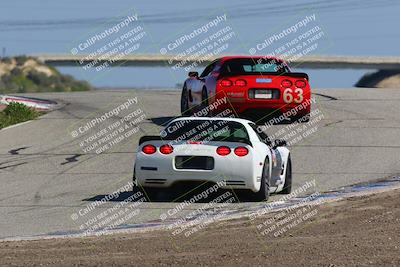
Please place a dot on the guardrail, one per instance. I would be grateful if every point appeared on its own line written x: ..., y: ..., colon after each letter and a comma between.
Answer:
x: 39, y: 104
x: 307, y: 62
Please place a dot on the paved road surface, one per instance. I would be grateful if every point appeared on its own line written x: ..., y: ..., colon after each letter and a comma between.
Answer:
x: 46, y: 177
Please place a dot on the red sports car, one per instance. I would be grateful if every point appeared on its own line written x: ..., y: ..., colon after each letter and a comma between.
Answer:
x: 253, y: 87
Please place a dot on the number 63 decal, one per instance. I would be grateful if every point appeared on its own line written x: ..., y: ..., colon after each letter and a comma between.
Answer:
x: 290, y: 95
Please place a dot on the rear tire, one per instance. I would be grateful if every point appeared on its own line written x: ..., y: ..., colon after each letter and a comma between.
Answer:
x: 287, y: 187
x: 185, y: 111
x: 263, y: 193
x: 149, y: 193
x: 134, y: 186
x: 204, y: 103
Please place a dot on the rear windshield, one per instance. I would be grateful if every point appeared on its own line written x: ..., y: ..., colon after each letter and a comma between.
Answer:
x: 206, y: 130
x: 244, y: 66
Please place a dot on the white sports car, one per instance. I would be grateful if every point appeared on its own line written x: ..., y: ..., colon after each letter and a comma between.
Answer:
x: 219, y: 150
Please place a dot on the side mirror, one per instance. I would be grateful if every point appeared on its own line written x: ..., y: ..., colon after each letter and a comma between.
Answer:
x: 193, y: 74
x: 279, y: 142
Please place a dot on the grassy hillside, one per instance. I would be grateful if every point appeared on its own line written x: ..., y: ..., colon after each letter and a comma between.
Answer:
x: 27, y: 75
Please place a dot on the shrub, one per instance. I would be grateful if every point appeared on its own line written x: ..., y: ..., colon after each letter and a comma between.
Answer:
x: 6, y: 60
x: 23, y: 84
x: 16, y: 72
x: 16, y: 113
x: 38, y: 78
x: 21, y: 60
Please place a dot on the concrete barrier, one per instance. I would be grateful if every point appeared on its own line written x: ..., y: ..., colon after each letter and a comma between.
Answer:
x: 308, y: 62
x: 39, y: 104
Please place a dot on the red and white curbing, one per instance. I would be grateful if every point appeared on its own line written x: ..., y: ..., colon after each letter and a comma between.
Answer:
x: 38, y: 104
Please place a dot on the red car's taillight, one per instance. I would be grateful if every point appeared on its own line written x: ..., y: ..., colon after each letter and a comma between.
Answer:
x: 226, y: 83
x: 166, y: 149
x: 240, y: 82
x: 149, y: 149
x: 241, y: 151
x: 223, y: 150
x: 300, y: 84
x: 286, y: 83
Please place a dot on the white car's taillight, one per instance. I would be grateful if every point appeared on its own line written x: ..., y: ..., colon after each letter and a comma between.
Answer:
x: 223, y: 150
x: 149, y: 149
x: 241, y: 151
x: 166, y: 149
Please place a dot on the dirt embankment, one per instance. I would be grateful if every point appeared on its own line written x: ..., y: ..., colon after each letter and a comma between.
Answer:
x: 362, y: 231
x: 23, y: 74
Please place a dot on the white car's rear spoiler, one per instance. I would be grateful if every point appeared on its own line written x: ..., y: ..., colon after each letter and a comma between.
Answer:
x: 148, y: 138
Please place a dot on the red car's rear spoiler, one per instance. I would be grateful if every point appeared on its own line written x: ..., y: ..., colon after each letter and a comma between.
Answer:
x: 296, y: 75
x: 286, y: 74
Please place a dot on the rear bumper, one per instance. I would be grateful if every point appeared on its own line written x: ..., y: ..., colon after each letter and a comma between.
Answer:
x: 282, y: 107
x: 243, y: 105
x: 267, y: 109
x: 163, y: 174
x: 164, y: 180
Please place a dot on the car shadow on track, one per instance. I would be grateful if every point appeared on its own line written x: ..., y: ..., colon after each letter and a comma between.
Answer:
x: 162, y: 121
x: 199, y: 194
x: 259, y: 120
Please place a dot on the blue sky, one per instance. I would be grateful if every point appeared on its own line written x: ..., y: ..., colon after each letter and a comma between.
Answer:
x: 351, y: 27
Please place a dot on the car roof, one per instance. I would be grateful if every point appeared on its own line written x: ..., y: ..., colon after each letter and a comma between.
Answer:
x: 251, y: 57
x: 242, y: 121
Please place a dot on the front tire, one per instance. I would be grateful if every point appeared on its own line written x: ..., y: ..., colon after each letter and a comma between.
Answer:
x: 263, y: 193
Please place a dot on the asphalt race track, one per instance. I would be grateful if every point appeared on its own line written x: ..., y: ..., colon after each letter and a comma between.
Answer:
x: 46, y: 177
